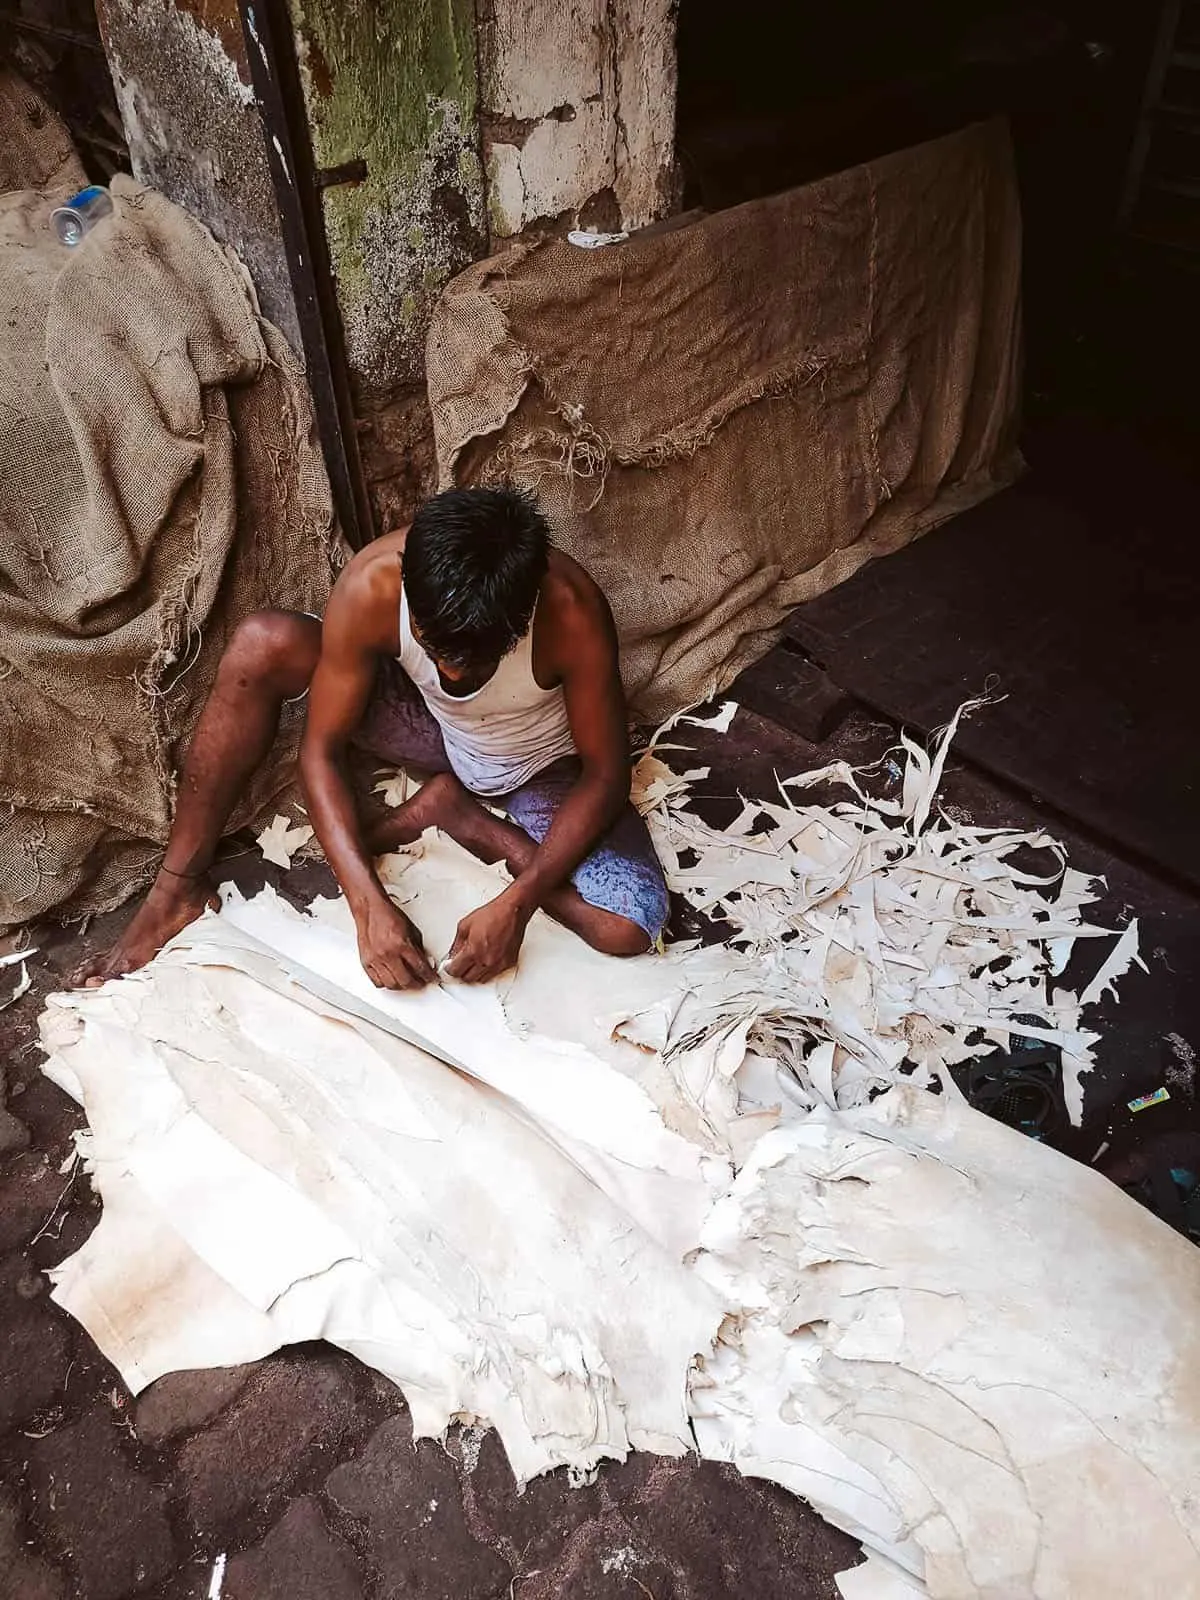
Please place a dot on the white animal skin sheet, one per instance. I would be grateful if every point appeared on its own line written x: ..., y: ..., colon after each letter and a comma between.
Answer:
x: 654, y: 1196
x: 340, y: 1183
x: 978, y: 1356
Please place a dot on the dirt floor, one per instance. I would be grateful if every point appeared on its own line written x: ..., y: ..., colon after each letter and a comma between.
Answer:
x: 301, y: 1469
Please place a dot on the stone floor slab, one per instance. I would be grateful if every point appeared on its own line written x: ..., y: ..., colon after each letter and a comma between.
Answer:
x: 24, y: 1575
x: 298, y: 1560
x: 417, y: 1534
x: 34, y: 1356
x: 108, y: 1520
x: 182, y: 1402
x: 293, y: 1409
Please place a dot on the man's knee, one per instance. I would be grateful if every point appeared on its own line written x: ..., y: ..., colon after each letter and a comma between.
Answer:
x: 613, y: 935
x: 440, y: 800
x: 275, y: 649
x: 443, y: 788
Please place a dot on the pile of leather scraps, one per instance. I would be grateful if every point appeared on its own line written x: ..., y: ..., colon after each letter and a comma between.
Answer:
x: 653, y: 1204
x: 882, y: 938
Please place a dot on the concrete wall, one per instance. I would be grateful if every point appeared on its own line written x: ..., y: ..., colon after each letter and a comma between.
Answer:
x: 576, y: 121
x: 392, y: 84
x: 194, y: 131
x: 577, y: 110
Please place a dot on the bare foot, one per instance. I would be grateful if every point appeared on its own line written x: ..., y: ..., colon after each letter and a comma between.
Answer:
x: 171, y: 904
x: 433, y: 806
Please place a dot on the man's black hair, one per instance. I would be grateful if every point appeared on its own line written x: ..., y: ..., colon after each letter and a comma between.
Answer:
x: 474, y: 561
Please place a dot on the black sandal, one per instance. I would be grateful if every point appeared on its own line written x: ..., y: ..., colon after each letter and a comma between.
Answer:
x: 1020, y: 1086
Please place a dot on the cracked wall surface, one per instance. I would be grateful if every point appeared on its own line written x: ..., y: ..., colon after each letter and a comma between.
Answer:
x: 577, y: 112
x: 571, y: 108
x: 194, y: 130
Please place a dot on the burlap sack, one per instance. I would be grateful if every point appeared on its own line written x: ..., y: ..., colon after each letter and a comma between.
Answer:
x: 727, y: 418
x: 159, y: 478
x: 36, y: 150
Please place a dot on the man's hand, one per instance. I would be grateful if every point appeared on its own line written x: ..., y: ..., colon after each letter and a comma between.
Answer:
x: 390, y: 949
x: 488, y: 941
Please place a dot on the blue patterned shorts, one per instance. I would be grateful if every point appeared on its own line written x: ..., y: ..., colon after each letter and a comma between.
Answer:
x: 622, y: 874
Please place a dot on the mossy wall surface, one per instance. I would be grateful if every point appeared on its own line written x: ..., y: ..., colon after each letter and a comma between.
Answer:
x: 394, y: 85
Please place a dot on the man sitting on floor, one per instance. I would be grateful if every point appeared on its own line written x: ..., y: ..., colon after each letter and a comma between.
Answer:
x: 466, y: 645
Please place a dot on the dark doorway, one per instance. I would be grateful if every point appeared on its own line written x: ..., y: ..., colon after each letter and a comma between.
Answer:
x: 1086, y: 627
x: 55, y: 46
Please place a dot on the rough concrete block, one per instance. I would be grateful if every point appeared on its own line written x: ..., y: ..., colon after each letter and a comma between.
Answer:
x: 417, y: 1534
x: 533, y: 1526
x: 729, y: 1539
x: 29, y: 1190
x: 34, y: 1354
x: 14, y: 1135
x: 24, y: 1575
x: 291, y: 1410
x: 108, y: 1519
x: 604, y: 1561
x: 298, y: 1560
x: 182, y: 1402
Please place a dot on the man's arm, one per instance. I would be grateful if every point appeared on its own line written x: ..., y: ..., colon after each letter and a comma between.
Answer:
x: 354, y: 634
x: 586, y: 647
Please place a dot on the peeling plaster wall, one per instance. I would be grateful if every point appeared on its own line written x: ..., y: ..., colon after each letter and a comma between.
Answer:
x: 194, y: 131
x: 577, y: 111
x: 577, y: 119
x: 393, y: 84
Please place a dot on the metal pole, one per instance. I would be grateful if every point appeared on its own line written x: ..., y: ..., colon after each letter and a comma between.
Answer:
x: 275, y: 75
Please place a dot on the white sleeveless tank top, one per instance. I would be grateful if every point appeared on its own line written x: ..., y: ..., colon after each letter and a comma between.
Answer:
x: 506, y: 732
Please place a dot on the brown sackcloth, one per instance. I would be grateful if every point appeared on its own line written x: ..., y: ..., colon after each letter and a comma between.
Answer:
x: 36, y: 151
x: 159, y: 478
x: 726, y: 419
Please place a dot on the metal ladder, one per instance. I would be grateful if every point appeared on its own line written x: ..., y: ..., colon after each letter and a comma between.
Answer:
x: 1160, y: 198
